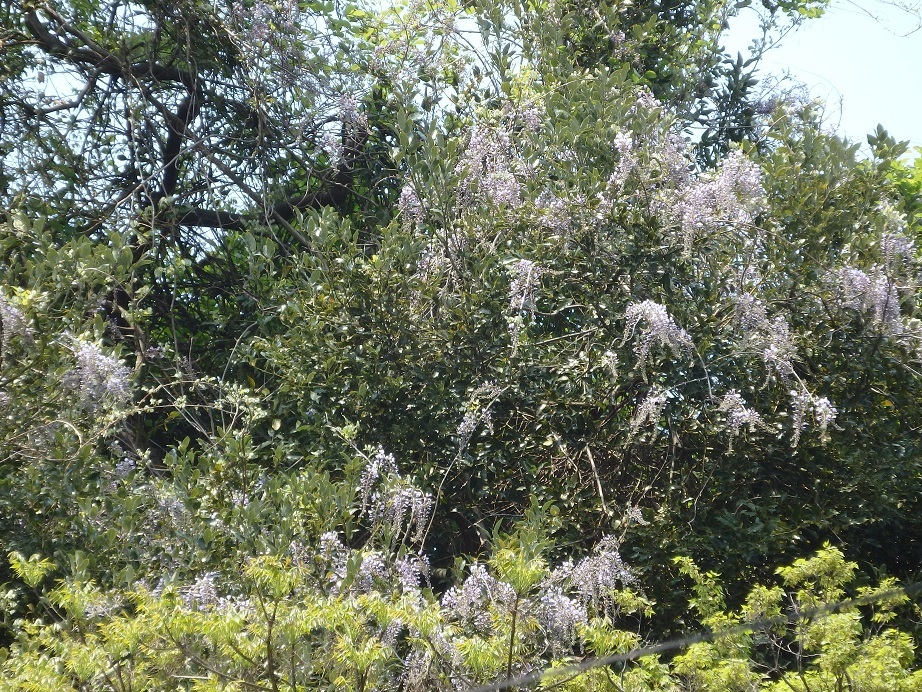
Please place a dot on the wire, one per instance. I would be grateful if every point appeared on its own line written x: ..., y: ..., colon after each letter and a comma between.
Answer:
x: 680, y: 643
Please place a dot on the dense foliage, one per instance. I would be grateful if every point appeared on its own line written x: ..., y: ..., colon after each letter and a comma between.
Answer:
x: 625, y: 322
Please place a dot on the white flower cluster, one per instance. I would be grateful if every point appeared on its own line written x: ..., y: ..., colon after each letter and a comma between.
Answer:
x: 100, y: 381
x: 14, y: 324
x: 872, y: 294
x: 807, y: 407
x: 486, y: 167
x: 732, y: 196
x: 738, y: 414
x: 470, y: 602
x: 771, y: 338
x: 658, y: 327
x: 649, y: 410
x: 391, y: 502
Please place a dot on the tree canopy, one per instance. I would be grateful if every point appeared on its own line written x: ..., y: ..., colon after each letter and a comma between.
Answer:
x: 419, y: 346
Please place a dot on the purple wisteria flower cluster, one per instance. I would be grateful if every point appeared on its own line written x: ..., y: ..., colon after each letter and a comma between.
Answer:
x: 486, y: 168
x: 770, y: 338
x: 391, y: 502
x: 873, y: 294
x: 14, y: 324
x: 560, y: 618
x: 202, y: 593
x: 101, y: 382
x: 807, y: 408
x: 657, y: 327
x: 738, y: 415
x: 596, y: 578
x: 524, y: 286
x: 410, y: 206
x: 522, y: 293
x: 732, y: 196
x: 477, y: 413
x: 554, y: 213
x: 471, y: 602
x: 649, y: 410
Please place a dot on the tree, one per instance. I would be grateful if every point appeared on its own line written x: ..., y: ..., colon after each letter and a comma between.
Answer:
x: 492, y: 257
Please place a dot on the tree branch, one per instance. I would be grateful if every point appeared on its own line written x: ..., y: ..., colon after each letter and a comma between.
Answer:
x: 95, y: 55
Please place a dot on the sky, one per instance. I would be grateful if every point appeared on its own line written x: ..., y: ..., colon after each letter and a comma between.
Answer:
x: 863, y: 60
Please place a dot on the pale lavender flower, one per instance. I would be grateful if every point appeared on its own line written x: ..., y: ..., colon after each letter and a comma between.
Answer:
x: 373, y: 569
x: 391, y: 502
x: 855, y: 285
x: 554, y: 213
x: 411, y: 570
x: 468, y: 426
x: 627, y: 160
x: 560, y: 618
x: 14, y: 324
x: 486, y: 166
x: 751, y: 314
x: 171, y: 509
x: 470, y: 603
x: 649, y: 410
x: 741, y: 191
x: 125, y: 467
x: 202, y: 593
x: 733, y: 195
x: 332, y: 553
x: 874, y: 295
x: 896, y: 249
x: 402, y: 508
x: 410, y: 206
x: 349, y: 111
x: 522, y: 293
x: 502, y: 188
x: 658, y: 327
x: 695, y: 212
x: 635, y: 516
x: 819, y: 409
x: 779, y: 351
x: 391, y: 633
x: 416, y: 667
x: 100, y: 381
x: 524, y: 285
x: 332, y: 146
x: 477, y: 412
x: 516, y: 327
x: 674, y: 158
x: 379, y: 466
x: 738, y: 414
x: 531, y: 118
x: 597, y: 577
x: 645, y: 103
